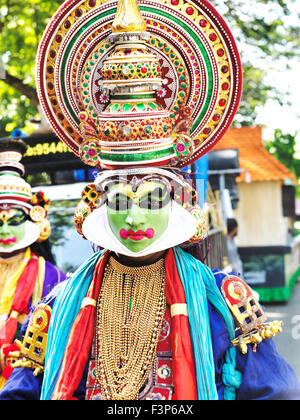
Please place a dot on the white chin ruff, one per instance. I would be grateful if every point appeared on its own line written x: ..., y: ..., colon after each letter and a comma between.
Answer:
x: 182, y: 226
x: 32, y: 233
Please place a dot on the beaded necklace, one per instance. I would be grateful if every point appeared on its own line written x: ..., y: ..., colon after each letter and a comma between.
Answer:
x: 130, y: 310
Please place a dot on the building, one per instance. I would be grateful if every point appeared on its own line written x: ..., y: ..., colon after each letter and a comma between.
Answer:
x: 266, y: 215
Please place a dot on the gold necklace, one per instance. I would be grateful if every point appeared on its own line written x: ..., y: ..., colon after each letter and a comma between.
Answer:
x: 130, y: 310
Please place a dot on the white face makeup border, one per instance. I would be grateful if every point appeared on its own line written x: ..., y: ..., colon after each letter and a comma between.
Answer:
x: 182, y: 225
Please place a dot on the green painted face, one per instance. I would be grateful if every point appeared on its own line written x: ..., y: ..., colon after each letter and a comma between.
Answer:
x: 12, y: 227
x: 138, y: 218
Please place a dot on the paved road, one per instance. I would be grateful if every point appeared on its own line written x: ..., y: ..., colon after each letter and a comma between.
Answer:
x: 288, y: 342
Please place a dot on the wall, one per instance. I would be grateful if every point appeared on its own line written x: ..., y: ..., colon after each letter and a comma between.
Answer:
x: 259, y: 215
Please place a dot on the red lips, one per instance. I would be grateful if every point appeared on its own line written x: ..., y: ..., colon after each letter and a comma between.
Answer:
x: 8, y: 241
x: 136, y: 236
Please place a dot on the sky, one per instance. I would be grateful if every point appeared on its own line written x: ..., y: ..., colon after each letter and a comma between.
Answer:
x: 273, y: 115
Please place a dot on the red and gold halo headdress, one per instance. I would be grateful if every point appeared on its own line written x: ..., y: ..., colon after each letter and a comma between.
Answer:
x: 147, y: 84
x: 119, y: 100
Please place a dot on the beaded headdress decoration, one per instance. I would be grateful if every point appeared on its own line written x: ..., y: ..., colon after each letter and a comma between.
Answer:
x: 16, y: 192
x: 153, y: 83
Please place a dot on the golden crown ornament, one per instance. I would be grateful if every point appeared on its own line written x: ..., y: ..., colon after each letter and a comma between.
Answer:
x: 113, y: 78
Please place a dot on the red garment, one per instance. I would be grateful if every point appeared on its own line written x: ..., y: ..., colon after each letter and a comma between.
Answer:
x: 184, y: 374
x: 23, y: 293
x: 81, y: 336
x: 6, y: 350
x: 79, y: 341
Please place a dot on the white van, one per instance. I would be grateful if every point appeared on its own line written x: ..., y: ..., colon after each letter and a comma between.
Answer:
x: 69, y: 249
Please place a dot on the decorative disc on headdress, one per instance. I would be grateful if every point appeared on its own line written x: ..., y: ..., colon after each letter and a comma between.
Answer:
x: 37, y: 214
x: 190, y: 62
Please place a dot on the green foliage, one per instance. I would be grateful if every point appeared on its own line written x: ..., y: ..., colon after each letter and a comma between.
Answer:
x: 23, y: 24
x: 40, y: 178
x: 255, y: 93
x: 15, y: 109
x: 283, y: 148
x: 271, y: 27
x: 21, y: 27
x: 268, y: 37
x: 267, y: 32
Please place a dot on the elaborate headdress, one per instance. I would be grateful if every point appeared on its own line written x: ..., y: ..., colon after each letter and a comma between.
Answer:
x: 148, y: 85
x: 13, y: 188
x: 15, y: 192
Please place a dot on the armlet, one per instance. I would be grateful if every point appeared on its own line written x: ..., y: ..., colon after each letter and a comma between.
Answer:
x: 248, y: 314
x: 33, y: 348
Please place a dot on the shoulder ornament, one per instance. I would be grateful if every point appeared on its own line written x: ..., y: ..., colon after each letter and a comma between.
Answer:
x: 32, y: 350
x: 248, y: 314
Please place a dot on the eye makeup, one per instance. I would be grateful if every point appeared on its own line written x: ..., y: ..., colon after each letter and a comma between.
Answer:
x: 155, y: 197
x: 12, y: 217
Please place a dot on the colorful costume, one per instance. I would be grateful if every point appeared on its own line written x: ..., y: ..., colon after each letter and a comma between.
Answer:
x: 25, y: 277
x: 143, y: 319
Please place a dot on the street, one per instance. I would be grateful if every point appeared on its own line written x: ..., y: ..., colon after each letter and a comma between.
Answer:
x: 288, y: 342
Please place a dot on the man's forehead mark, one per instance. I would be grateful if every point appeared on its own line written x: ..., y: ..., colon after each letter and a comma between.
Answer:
x: 9, y: 213
x: 144, y: 188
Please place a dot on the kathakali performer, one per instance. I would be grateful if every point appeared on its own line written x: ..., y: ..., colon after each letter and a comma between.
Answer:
x: 25, y: 276
x: 139, y: 91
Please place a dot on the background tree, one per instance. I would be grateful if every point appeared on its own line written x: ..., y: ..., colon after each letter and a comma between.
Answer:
x: 21, y: 28
x: 267, y: 32
x: 283, y: 148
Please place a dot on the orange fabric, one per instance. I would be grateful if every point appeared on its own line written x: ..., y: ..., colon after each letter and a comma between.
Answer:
x: 79, y: 341
x: 261, y: 165
x: 21, y: 300
x: 184, y: 374
x: 8, y: 331
x: 26, y: 285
